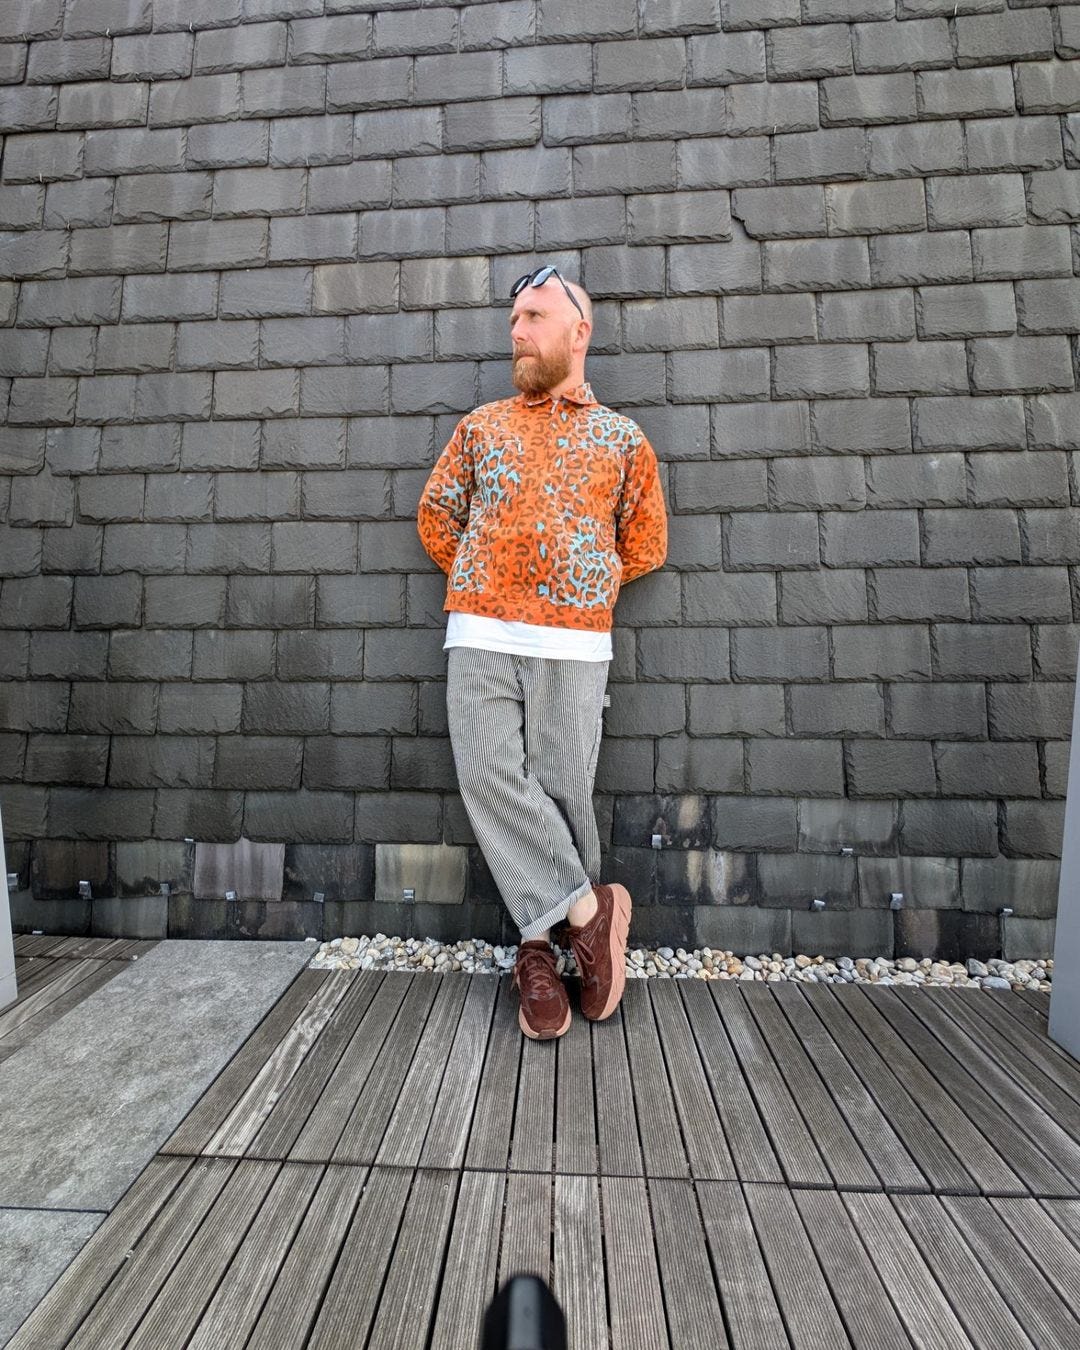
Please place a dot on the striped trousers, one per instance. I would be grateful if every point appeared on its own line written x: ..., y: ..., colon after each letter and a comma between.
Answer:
x: 525, y: 731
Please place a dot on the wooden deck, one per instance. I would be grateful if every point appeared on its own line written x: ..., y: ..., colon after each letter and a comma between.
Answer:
x: 719, y: 1164
x: 56, y: 973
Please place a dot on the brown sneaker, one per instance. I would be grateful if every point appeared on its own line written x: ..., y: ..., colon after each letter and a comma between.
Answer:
x: 545, y: 1009
x: 600, y: 951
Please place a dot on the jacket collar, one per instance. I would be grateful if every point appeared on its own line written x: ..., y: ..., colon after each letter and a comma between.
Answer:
x: 581, y: 394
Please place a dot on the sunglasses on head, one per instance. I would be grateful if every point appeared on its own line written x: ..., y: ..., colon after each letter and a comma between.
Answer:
x: 538, y: 278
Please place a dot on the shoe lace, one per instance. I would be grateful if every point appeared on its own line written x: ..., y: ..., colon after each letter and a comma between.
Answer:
x: 583, y: 953
x: 536, y: 967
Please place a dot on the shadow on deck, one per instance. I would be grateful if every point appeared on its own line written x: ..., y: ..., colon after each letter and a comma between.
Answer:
x: 720, y: 1163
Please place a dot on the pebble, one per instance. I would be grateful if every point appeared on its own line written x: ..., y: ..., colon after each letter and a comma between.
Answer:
x: 474, y: 957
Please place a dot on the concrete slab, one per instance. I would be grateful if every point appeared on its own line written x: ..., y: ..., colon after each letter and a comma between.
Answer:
x: 36, y: 1247
x: 84, y: 1106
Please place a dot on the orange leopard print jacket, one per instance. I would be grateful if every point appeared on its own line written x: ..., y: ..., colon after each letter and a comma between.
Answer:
x: 539, y: 511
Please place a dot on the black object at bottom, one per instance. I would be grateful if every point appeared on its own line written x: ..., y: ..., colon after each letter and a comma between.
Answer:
x: 524, y: 1316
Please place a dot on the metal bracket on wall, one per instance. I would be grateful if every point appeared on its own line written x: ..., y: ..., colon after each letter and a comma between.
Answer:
x: 1004, y: 915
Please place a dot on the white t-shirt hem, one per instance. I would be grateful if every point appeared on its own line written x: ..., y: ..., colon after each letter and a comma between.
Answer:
x: 525, y: 639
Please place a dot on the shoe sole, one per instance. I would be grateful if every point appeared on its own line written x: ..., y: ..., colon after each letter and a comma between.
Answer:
x: 543, y: 1036
x: 620, y: 928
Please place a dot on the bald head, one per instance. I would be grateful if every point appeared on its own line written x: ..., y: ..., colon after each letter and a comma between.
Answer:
x: 549, y: 335
x: 581, y: 295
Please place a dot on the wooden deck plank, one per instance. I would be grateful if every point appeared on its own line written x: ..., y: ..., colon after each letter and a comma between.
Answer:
x: 991, y: 1173
x: 1028, y: 1047
x: 352, y: 1297
x: 526, y: 1237
x: 105, y: 948
x: 1023, y: 1074
x: 1025, y: 1289
x: 943, y: 1168
x: 533, y: 1144
x: 290, y: 1113
x: 922, y: 1305
x: 864, y: 1304
x: 746, y: 1293
x: 468, y: 1283
x: 197, y: 1127
x: 65, y: 977
x: 53, y: 1011
x: 117, y: 1313
x: 890, y: 1158
x: 1035, y: 999
x: 618, y: 1142
x: 37, y: 944
x: 635, y: 1296
x: 795, y: 1149
x: 949, y: 1056
x: 578, y: 1263
x: 169, y: 1321
x: 451, y: 1119
x: 752, y: 1153
x: 982, y: 1311
x: 69, y: 1301
x: 365, y: 1127
x: 132, y: 948
x: 298, y: 1292
x: 1009, y: 1001
x: 1067, y: 1214
x: 1047, y: 1244
x: 493, y: 1116
x: 407, y: 1303
x: 268, y: 1255
x: 323, y: 1128
x: 575, y: 1104
x: 403, y: 1141
x: 99, y: 948
x: 82, y: 945
x: 232, y: 1312
x: 693, y: 1309
x: 35, y: 975
x: 808, y: 1310
x: 243, y: 1122
x: 30, y: 970
x: 703, y: 1132
x: 658, y: 1125
x: 845, y: 1159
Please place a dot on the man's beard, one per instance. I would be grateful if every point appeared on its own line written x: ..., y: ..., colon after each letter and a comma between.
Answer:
x: 538, y: 374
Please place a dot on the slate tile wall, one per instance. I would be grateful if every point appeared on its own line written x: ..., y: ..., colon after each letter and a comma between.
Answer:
x: 253, y: 258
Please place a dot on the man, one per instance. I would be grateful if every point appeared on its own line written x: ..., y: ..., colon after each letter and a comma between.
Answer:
x: 538, y: 509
